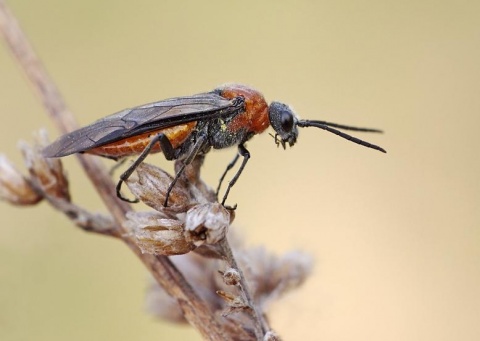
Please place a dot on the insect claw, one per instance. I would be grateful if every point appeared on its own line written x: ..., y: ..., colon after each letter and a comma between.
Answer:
x: 120, y: 195
x: 132, y: 201
x: 230, y: 208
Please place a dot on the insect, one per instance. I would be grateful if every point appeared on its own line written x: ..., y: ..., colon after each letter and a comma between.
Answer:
x: 185, y: 127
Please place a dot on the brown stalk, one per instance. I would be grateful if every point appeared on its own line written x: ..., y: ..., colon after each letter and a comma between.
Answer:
x: 261, y: 326
x: 166, y: 274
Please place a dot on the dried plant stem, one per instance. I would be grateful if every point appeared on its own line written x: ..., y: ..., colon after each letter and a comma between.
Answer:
x: 167, y: 275
x: 260, y: 325
x: 85, y: 220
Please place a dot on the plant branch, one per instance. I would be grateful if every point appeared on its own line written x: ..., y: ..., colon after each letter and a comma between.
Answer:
x: 87, y: 221
x: 261, y: 326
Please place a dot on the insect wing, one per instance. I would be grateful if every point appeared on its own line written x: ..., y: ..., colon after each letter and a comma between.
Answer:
x: 148, y: 117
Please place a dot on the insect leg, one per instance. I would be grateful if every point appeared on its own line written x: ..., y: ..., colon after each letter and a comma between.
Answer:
x: 229, y: 166
x: 199, y: 144
x: 167, y: 150
x: 246, y: 156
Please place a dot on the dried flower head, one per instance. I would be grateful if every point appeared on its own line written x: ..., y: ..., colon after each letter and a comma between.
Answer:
x: 14, y: 187
x: 273, y: 276
x: 207, y: 223
x: 46, y: 173
x: 235, y: 303
x: 231, y: 276
x: 184, y: 224
x: 149, y: 184
x: 158, y: 235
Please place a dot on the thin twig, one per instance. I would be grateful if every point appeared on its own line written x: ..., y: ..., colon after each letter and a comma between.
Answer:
x: 166, y: 274
x: 260, y: 325
x: 87, y: 221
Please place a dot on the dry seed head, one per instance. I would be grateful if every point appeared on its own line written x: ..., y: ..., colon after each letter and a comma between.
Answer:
x: 233, y: 301
x: 207, y: 223
x: 14, y: 187
x: 158, y: 235
x: 231, y: 276
x: 46, y: 173
x: 271, y: 276
x: 150, y: 184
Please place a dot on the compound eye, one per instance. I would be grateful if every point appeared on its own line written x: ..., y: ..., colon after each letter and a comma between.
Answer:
x: 286, y: 121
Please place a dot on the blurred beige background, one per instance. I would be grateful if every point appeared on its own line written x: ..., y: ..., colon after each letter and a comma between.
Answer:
x: 395, y: 237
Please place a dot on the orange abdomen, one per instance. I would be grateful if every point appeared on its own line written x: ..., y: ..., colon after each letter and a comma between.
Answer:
x: 134, y: 145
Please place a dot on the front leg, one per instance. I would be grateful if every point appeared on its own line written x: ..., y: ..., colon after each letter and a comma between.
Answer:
x: 229, y: 166
x: 246, y: 156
